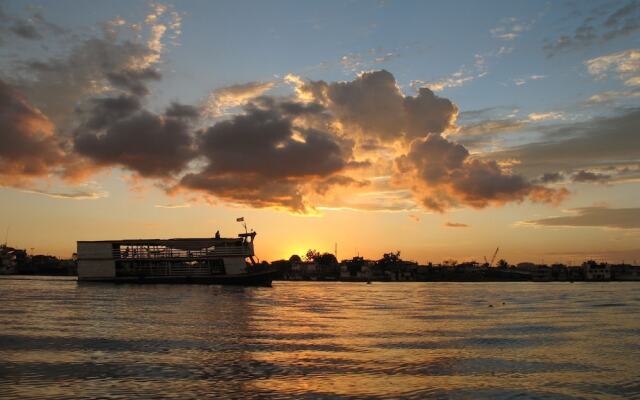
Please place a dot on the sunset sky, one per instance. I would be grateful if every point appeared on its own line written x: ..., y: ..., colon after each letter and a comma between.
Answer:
x: 440, y: 129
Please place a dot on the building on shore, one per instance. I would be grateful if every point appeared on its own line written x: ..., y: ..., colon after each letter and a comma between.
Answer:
x: 596, y: 272
x: 542, y: 273
x: 8, y: 260
x: 356, y: 269
x: 625, y: 272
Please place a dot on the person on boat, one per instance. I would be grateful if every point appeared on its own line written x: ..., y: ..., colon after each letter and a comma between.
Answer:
x: 217, y: 234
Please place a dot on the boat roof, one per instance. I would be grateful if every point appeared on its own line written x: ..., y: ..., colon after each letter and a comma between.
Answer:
x: 184, y: 243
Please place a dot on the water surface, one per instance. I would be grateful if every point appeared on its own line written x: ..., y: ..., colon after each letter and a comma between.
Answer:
x: 59, y: 339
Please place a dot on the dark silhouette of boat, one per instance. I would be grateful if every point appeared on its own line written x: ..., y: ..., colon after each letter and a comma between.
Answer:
x: 225, y: 261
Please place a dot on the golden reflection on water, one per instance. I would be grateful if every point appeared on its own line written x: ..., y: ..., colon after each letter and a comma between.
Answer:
x: 59, y: 339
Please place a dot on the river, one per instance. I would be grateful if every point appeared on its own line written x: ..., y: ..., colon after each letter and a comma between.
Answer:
x: 60, y: 339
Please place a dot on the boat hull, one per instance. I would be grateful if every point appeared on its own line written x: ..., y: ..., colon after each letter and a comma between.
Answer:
x: 259, y: 278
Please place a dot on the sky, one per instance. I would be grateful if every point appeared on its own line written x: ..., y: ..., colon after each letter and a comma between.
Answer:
x: 442, y: 130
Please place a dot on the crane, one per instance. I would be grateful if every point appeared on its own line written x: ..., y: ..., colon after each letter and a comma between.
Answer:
x: 495, y: 253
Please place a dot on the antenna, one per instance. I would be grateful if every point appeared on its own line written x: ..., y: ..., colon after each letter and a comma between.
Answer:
x: 495, y: 253
x: 336, y: 250
x: 6, y: 236
x: 244, y: 224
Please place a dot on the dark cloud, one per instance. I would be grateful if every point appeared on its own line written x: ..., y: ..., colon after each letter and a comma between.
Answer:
x: 491, y: 127
x: 455, y: 225
x: 550, y: 177
x: 56, y: 85
x: 622, y: 218
x: 102, y: 112
x: 583, y: 176
x: 485, y: 132
x: 372, y: 102
x: 312, y: 113
x: 25, y: 30
x: 132, y: 80
x: 371, y: 145
x: 32, y: 27
x: 263, y: 159
x: 28, y: 148
x: 88, y: 101
x: 324, y: 185
x: 263, y: 141
x: 443, y: 175
x: 428, y: 113
x: 482, y: 113
x: 177, y: 110
x: 374, y: 105
x: 600, y: 141
x: 600, y: 26
x: 248, y: 189
x: 118, y: 132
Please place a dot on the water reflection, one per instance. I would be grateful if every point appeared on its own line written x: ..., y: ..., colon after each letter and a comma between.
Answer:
x: 338, y: 340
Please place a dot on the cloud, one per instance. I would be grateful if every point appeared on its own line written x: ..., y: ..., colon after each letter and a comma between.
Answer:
x: 162, y: 19
x: 28, y: 147
x: 173, y: 206
x: 524, y: 80
x: 132, y: 80
x: 443, y: 175
x: 455, y: 225
x: 601, y: 25
x: 551, y: 177
x: 30, y: 28
x: 323, y: 186
x: 373, y: 105
x: 25, y: 29
x: 484, y: 132
x: 222, y: 99
x: 286, y: 154
x: 280, y: 152
x: 56, y: 85
x: 579, y: 145
x: 462, y: 76
x: 89, y: 105
x: 77, y: 194
x: 361, y: 61
x: 510, y: 28
x: 94, y: 66
x: 620, y: 218
x: 488, y: 113
x: 118, y: 132
x: 491, y: 127
x: 610, y: 96
x: 456, y: 79
x: 583, y: 176
x: 378, y: 194
x: 625, y: 65
x: 265, y: 158
x: 545, y: 116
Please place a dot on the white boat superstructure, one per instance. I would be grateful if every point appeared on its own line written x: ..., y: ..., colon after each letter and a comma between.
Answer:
x: 206, y: 260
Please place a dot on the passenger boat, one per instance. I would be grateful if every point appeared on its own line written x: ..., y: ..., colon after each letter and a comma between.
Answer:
x: 227, y: 261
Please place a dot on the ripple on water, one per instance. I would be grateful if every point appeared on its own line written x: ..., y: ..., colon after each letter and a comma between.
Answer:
x: 609, y: 305
x: 319, y: 340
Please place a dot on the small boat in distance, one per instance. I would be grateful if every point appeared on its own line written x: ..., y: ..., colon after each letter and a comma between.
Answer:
x: 187, y: 260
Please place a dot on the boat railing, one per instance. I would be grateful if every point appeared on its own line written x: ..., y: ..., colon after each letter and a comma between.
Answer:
x: 144, y: 253
x: 168, y: 270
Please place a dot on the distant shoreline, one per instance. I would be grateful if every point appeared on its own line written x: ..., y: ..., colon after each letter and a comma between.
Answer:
x: 68, y: 278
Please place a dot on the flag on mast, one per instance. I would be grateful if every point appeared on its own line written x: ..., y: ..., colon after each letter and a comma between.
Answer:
x: 241, y: 219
